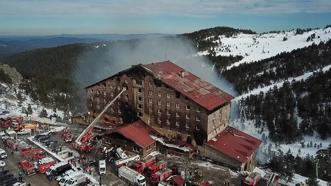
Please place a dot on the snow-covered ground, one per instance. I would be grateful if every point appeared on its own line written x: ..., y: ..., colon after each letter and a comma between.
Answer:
x: 268, y: 147
x: 9, y: 102
x: 301, y: 179
x: 161, y: 140
x: 280, y: 83
x: 254, y: 47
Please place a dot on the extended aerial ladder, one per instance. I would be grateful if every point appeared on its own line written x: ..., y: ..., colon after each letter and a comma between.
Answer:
x: 87, y: 134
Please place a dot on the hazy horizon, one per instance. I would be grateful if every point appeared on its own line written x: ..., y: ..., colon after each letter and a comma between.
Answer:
x: 58, y: 17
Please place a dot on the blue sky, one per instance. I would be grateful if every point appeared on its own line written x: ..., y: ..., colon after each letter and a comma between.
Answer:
x: 49, y: 17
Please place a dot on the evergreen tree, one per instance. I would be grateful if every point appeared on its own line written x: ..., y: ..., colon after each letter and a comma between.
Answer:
x: 29, y: 110
x: 312, y: 181
x: 43, y: 113
x: 24, y: 111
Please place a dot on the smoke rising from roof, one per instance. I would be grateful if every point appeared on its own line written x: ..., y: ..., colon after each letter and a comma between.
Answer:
x: 106, y: 60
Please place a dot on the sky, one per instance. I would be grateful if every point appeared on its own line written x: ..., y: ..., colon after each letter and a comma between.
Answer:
x: 52, y: 17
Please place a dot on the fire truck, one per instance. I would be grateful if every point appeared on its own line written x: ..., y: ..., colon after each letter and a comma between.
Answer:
x: 83, y: 141
x: 160, y: 175
x: 27, y: 167
x: 141, y: 166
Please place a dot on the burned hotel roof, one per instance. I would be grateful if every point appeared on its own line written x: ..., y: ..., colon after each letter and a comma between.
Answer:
x: 201, y: 92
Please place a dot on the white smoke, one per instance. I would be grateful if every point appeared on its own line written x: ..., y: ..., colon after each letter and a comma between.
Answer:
x: 103, y: 62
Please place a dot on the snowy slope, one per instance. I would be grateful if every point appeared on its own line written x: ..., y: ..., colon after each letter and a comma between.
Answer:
x: 280, y: 83
x: 9, y: 102
x: 254, y: 47
x: 248, y: 125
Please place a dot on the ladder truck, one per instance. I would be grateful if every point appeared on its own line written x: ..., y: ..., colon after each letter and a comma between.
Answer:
x: 83, y: 140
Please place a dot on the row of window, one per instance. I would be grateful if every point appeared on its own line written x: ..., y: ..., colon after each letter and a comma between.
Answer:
x: 177, y: 123
x: 159, y: 103
x: 197, y: 118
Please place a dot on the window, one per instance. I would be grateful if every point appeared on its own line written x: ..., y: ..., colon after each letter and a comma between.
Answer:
x: 140, y: 106
x: 198, y: 109
x: 159, y: 120
x: 187, y: 126
x: 159, y: 103
x: 159, y: 111
x: 150, y: 101
x: 168, y: 113
x: 159, y: 94
x: 105, y: 93
x: 140, y: 114
x: 168, y: 104
x: 177, y: 124
x: 188, y: 107
x: 168, y: 122
x: 177, y: 106
x: 187, y: 116
x: 150, y: 93
x: 138, y: 82
x: 98, y: 92
x: 177, y: 95
x: 111, y: 94
x: 168, y: 95
x: 197, y: 119
x: 118, y: 87
x: 140, y: 98
x: 177, y: 115
x: 140, y: 90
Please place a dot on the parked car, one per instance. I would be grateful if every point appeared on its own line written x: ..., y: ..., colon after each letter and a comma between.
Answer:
x: 3, y: 154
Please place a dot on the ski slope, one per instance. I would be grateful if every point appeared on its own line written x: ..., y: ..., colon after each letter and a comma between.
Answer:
x: 254, y: 47
x: 280, y: 83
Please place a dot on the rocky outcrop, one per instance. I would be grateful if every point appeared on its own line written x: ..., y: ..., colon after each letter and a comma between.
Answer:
x: 15, y: 76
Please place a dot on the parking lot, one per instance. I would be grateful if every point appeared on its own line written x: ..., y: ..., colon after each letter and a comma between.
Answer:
x: 12, y: 165
x: 86, y: 162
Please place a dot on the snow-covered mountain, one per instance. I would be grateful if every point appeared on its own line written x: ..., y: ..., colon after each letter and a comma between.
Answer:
x: 265, y: 68
x: 254, y: 47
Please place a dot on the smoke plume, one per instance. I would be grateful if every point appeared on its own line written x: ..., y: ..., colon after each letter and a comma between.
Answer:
x: 106, y: 60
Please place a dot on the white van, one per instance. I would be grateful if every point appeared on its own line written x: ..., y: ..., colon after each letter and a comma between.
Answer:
x: 3, y: 154
x: 71, y: 176
x: 102, y: 167
x: 66, y: 174
x: 43, y: 161
x: 74, y: 180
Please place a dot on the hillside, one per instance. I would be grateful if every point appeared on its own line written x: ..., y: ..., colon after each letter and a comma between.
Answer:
x: 254, y: 47
x: 49, y: 72
x: 251, y: 62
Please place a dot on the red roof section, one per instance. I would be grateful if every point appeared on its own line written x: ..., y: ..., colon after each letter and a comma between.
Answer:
x: 234, y: 143
x: 196, y: 89
x: 136, y: 132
